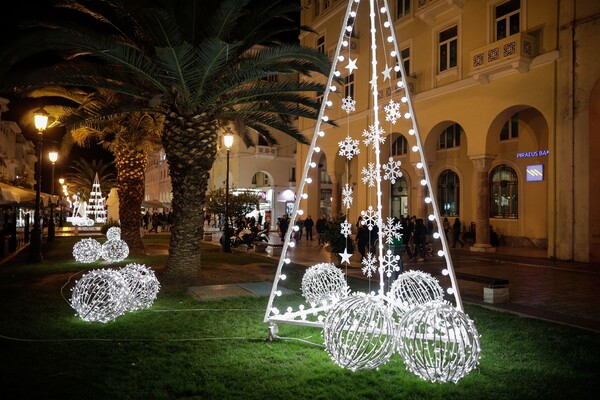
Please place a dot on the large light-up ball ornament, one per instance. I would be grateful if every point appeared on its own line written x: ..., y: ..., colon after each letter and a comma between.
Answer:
x: 438, y: 342
x: 114, y: 232
x: 100, y: 296
x: 115, y: 250
x: 143, y: 285
x: 87, y: 250
x: 412, y: 288
x: 324, y: 284
x: 359, y: 332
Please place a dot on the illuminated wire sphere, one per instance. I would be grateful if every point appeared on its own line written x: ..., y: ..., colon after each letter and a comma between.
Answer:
x: 143, y: 285
x: 324, y: 284
x: 100, y: 296
x: 115, y: 250
x: 114, y: 232
x: 359, y: 332
x: 87, y: 250
x: 412, y: 288
x: 438, y: 342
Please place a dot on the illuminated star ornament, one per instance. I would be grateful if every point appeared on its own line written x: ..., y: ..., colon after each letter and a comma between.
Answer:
x: 351, y: 65
x: 387, y: 73
x: 345, y: 257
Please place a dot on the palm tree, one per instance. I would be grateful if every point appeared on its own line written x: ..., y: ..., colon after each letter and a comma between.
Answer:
x: 202, y: 64
x: 82, y: 172
x: 130, y: 137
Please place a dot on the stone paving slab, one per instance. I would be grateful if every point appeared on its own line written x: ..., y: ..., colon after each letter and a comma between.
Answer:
x: 253, y: 289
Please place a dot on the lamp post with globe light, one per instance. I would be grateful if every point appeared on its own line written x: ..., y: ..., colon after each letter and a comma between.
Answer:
x: 35, y: 247
x: 228, y: 142
x: 52, y: 156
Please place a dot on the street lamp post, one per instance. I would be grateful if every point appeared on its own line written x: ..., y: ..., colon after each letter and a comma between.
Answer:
x: 63, y: 186
x: 228, y: 142
x: 52, y: 156
x: 35, y: 246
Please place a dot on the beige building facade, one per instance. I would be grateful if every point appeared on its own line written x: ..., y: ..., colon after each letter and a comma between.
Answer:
x: 506, y: 97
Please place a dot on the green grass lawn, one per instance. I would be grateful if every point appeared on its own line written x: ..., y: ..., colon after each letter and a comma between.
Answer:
x: 182, y: 348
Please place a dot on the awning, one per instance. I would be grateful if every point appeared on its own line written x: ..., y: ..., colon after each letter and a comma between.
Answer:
x: 8, y: 197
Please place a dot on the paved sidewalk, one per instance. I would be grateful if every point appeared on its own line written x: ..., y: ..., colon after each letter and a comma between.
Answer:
x: 559, y: 291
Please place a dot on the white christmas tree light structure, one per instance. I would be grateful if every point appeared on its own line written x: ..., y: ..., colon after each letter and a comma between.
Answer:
x: 341, y: 319
x: 96, y: 204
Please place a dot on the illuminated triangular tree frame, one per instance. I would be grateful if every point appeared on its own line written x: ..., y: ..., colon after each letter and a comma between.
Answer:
x: 313, y: 315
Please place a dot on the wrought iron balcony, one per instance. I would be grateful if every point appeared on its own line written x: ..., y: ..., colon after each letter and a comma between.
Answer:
x: 514, y: 52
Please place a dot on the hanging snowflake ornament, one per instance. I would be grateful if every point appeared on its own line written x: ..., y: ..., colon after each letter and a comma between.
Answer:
x: 369, y: 175
x: 347, y: 195
x: 349, y: 147
x: 389, y: 263
x: 370, y: 219
x: 373, y: 135
x: 392, y: 170
x: 370, y: 265
x: 348, y: 104
x: 392, y: 112
x: 346, y: 228
x: 391, y: 230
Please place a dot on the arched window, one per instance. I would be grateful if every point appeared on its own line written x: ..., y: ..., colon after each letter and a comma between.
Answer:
x: 450, y: 137
x: 449, y: 193
x: 400, y: 146
x: 504, y: 193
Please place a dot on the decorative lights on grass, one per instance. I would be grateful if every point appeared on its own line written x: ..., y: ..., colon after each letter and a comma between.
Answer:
x: 104, y: 294
x: 324, y: 284
x: 412, y: 288
x: 143, y: 285
x: 438, y: 342
x: 359, y: 332
x: 114, y: 232
x: 100, y: 296
x: 115, y: 250
x: 87, y: 250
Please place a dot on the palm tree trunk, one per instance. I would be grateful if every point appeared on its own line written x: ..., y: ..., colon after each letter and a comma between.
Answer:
x: 190, y: 148
x: 131, y: 166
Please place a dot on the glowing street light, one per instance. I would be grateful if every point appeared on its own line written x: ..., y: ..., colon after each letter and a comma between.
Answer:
x: 228, y: 142
x: 64, y: 188
x: 35, y: 247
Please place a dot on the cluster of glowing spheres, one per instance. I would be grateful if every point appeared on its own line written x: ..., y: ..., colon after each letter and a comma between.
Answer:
x: 104, y: 294
x: 115, y: 250
x: 100, y: 296
x: 359, y: 332
x: 143, y: 285
x: 114, y: 232
x: 324, y: 284
x: 87, y: 250
x: 438, y: 342
x: 412, y: 288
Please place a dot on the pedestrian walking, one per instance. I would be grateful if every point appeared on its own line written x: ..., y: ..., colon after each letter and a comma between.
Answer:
x: 308, y: 226
x: 456, y: 228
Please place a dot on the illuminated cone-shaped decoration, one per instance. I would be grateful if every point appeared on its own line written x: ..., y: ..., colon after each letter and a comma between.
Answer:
x: 359, y: 332
x: 438, y: 342
x: 324, y: 284
x: 114, y: 232
x: 412, y: 288
x: 143, y: 285
x: 87, y: 250
x: 100, y: 296
x: 115, y: 250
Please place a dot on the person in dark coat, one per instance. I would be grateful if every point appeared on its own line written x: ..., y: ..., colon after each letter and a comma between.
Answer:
x: 308, y: 225
x: 456, y: 228
x: 321, y: 228
x: 420, y: 238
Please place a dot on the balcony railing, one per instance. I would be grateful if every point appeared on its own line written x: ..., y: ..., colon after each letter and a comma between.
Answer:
x: 514, y: 52
x: 266, y: 152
